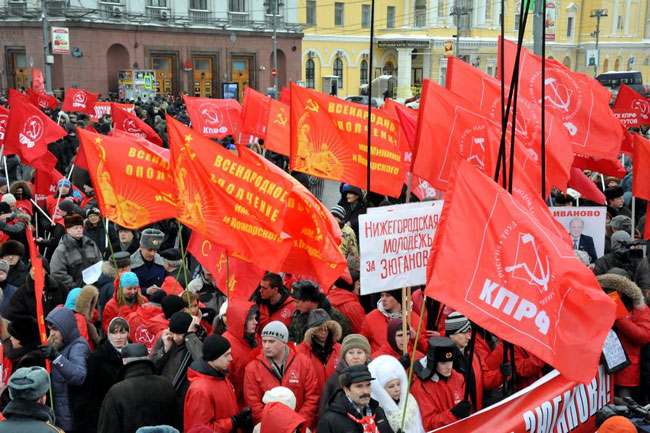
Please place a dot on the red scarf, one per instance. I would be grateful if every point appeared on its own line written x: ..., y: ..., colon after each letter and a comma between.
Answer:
x: 367, y: 422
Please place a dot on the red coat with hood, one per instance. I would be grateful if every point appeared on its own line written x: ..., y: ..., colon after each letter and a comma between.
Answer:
x: 147, y: 324
x: 210, y: 399
x: 436, y: 397
x: 322, y: 371
x: 279, y: 418
x: 113, y: 310
x: 298, y: 376
x: 241, y: 350
x: 375, y: 325
x: 283, y: 313
x: 348, y: 304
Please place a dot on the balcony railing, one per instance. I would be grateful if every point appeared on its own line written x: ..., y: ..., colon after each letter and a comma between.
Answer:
x: 238, y: 19
x: 201, y: 16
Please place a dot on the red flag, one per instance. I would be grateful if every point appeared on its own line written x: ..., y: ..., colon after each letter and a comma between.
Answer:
x: 38, y: 83
x: 102, y: 108
x: 216, y: 118
x: 329, y: 140
x: 4, y: 120
x: 79, y: 100
x: 133, y: 182
x: 42, y: 100
x: 255, y: 112
x: 39, y: 284
x: 227, y: 200
x: 581, y: 183
x: 230, y: 271
x: 579, y: 101
x: 16, y: 97
x: 609, y: 167
x: 278, y: 132
x: 641, y: 178
x: 29, y: 131
x: 484, y: 93
x: 631, y: 108
x: 129, y: 122
x: 285, y: 96
x: 520, y: 278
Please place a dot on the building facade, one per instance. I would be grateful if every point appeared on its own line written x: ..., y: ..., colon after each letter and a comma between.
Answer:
x: 194, y: 46
x: 415, y: 37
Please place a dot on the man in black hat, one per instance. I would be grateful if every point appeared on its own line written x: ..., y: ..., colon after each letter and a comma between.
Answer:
x: 13, y: 251
x: 439, y: 389
x: 615, y: 202
x: 147, y: 264
x: 307, y: 297
x: 351, y: 409
x: 139, y: 398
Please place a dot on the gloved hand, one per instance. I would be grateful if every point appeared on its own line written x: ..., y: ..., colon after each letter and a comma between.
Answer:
x: 243, y: 418
x: 506, y: 369
x: 48, y: 352
x: 405, y: 360
x: 462, y: 409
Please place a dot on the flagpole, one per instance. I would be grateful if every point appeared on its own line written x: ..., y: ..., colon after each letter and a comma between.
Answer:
x: 501, y: 158
x: 633, y: 229
x: 370, y: 68
x: 543, y: 102
x: 410, y: 376
x: 4, y: 159
x: 42, y: 211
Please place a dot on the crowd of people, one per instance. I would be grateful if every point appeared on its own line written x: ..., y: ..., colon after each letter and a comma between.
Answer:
x: 154, y: 345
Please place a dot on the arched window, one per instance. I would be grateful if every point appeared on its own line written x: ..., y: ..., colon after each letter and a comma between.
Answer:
x: 310, y: 73
x: 420, y: 16
x: 364, y: 72
x: 338, y: 71
x: 389, y: 69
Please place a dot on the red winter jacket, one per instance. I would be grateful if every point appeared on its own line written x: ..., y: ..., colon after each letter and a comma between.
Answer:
x: 348, y: 304
x: 528, y: 368
x: 283, y: 314
x: 279, y: 418
x: 322, y: 371
x: 375, y: 325
x: 490, y: 363
x: 241, y: 350
x: 634, y: 332
x: 210, y: 399
x: 298, y: 376
x: 147, y: 324
x: 112, y: 310
x: 436, y: 399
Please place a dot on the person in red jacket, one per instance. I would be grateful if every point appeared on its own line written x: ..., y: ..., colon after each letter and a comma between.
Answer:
x: 147, y: 324
x: 394, y: 345
x: 210, y: 399
x: 280, y: 364
x: 321, y: 344
x: 439, y: 389
x: 242, y: 335
x: 279, y: 418
x: 633, y: 330
x: 376, y: 322
x: 126, y: 299
x: 343, y: 297
x: 274, y: 301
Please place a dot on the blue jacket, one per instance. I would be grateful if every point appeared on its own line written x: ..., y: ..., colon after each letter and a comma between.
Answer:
x: 149, y: 274
x: 70, y: 367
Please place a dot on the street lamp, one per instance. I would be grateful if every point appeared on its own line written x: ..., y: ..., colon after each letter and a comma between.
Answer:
x: 598, y: 14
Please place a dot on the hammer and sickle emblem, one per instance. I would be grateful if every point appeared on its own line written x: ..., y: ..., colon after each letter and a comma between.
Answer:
x: 311, y: 106
x: 281, y: 119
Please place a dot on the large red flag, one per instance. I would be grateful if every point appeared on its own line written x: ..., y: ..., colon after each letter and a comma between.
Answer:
x: 484, y: 93
x: 520, y: 278
x: 16, y: 97
x: 4, y: 120
x: 42, y: 100
x: 102, y: 108
x: 79, y: 100
x: 38, y: 83
x: 129, y: 122
x: 29, y: 131
x: 641, y: 161
x: 278, y: 132
x: 231, y: 272
x: 585, y: 186
x: 632, y: 108
x: 609, y: 167
x: 214, y: 117
x: 227, y: 200
x: 255, y: 112
x: 133, y: 181
x: 39, y: 284
x: 329, y: 140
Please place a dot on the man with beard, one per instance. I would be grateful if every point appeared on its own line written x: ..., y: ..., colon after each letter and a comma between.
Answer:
x: 147, y: 263
x: 274, y: 301
x: 74, y: 253
x: 352, y: 409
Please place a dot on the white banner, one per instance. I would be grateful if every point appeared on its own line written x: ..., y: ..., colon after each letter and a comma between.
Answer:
x: 586, y: 227
x: 395, y: 243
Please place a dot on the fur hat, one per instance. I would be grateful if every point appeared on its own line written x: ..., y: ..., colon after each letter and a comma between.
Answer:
x: 27, y: 190
x: 305, y: 290
x: 613, y: 192
x: 25, y: 330
x: 12, y: 248
x: 87, y: 301
x: 355, y: 341
x: 317, y: 318
x: 29, y: 383
x: 441, y: 349
x: 621, y: 222
x: 623, y: 286
x: 152, y: 239
x: 72, y: 221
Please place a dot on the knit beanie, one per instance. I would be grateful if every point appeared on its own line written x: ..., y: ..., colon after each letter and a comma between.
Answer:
x: 281, y: 394
x: 180, y: 322
x: 71, y: 299
x: 129, y: 279
x: 456, y: 323
x: 9, y: 199
x: 355, y: 341
x: 215, y: 346
x: 338, y: 211
x: 276, y: 329
x: 397, y: 294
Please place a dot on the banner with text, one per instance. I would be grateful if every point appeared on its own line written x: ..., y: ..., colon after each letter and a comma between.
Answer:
x: 395, y: 243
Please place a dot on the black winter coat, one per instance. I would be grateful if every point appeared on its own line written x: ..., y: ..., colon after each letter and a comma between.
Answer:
x: 141, y: 399
x: 336, y: 418
x: 23, y: 301
x: 18, y: 274
x: 103, y: 366
x: 28, y: 416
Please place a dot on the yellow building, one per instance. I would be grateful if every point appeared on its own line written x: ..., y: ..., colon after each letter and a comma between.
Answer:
x: 413, y: 37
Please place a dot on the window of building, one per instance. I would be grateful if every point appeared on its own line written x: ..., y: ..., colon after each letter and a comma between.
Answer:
x: 339, y: 19
x: 488, y: 10
x: 237, y: 6
x: 310, y: 73
x: 420, y: 13
x: 569, y: 27
x: 517, y: 15
x: 390, y: 17
x: 365, y: 16
x: 201, y: 5
x: 311, y: 12
x: 157, y: 3
x: 364, y: 72
x: 270, y: 5
x: 441, y: 9
x: 338, y: 71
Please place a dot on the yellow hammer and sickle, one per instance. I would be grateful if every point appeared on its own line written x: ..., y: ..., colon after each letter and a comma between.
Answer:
x: 281, y: 120
x: 204, y: 245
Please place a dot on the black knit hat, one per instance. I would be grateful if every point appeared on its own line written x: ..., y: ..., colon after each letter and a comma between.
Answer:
x: 157, y: 296
x: 180, y: 322
x: 171, y: 304
x: 214, y: 347
x: 397, y: 294
x: 25, y: 330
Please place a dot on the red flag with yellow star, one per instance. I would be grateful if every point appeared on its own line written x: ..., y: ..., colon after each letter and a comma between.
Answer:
x: 133, y: 181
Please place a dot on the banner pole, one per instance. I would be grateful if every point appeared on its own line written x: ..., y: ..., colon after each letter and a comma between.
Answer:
x: 41, y: 211
x: 183, y: 254
x: 110, y: 245
x: 543, y: 102
x: 405, y: 337
x: 410, y: 375
x: 633, y: 228
x: 470, y: 369
x: 4, y: 160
